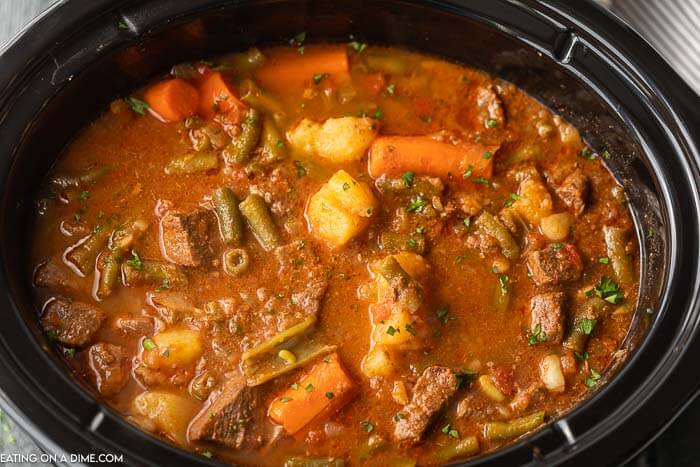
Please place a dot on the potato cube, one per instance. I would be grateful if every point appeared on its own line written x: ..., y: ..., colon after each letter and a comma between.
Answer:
x: 169, y: 413
x: 340, y: 209
x: 377, y: 363
x: 534, y: 202
x: 337, y: 140
x: 178, y: 347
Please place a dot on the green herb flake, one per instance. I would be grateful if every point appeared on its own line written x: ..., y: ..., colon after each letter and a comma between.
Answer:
x: 465, y: 378
x: 608, y: 291
x: 604, y: 260
x: 391, y: 330
x: 301, y: 170
x: 346, y: 186
x: 449, y: 431
x: 482, y: 181
x: 398, y: 416
x: 468, y: 173
x: 207, y: 454
x: 443, y: 315
x: 487, y: 155
x: 286, y: 399
x: 378, y: 113
x: 137, y: 105
x: 606, y: 155
x: 358, y: 47
x: 420, y: 230
x: 537, y: 335
x: 411, y: 330
x: 557, y: 246
x: 408, y: 177
x: 391, y: 89
x: 592, y: 379
x: 467, y: 221
x: 298, y: 39
x: 587, y: 154
x: 122, y: 25
x: 165, y: 285
x: 318, y: 77
x: 294, y: 386
x: 512, y: 198
x: 135, y: 261
x: 586, y: 325
x: 581, y: 356
x: 491, y: 123
x: 309, y: 387
x: 84, y: 196
x: 411, y: 243
x: 329, y: 395
x: 367, y: 426
x: 417, y: 205
x: 148, y: 344
x: 503, y: 283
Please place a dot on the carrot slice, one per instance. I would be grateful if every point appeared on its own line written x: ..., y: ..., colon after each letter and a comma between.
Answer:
x: 322, y: 392
x: 286, y: 69
x: 394, y: 155
x: 172, y: 99
x: 216, y: 97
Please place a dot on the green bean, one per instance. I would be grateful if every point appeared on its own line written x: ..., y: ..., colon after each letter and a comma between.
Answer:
x: 615, y: 241
x: 78, y: 179
x: 121, y: 241
x: 192, y: 163
x: 591, y: 309
x: 314, y: 462
x: 270, y: 344
x: 238, y: 151
x: 83, y: 255
x: 252, y: 95
x: 246, y: 61
x: 236, y: 262
x: 165, y: 275
x: 391, y: 270
x: 503, y: 431
x: 493, y: 227
x: 109, y: 276
x: 256, y: 213
x: 230, y: 220
x: 465, y: 447
x: 406, y: 290
x: 273, y: 143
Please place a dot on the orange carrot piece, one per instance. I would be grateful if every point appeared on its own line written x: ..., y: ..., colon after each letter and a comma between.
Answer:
x: 286, y: 69
x: 394, y: 155
x: 216, y: 97
x: 172, y: 100
x: 322, y: 392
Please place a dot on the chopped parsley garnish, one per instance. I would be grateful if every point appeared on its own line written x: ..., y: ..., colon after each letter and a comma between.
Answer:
x: 285, y: 399
x: 309, y: 387
x: 148, y: 344
x: 391, y: 89
x: 420, y: 230
x: 587, y: 154
x: 449, y: 431
x: 358, y: 47
x: 465, y: 377
x: 83, y: 196
x: 378, y: 113
x: 318, y: 77
x: 411, y: 243
x: 537, y: 335
x: 481, y: 181
x: 301, y: 170
x: 443, y: 315
x: 329, y: 395
x: 491, y: 123
x: 503, y: 283
x: 606, y: 155
x: 165, y: 285
x: 468, y: 173
x: 592, y: 379
x: 650, y: 233
x: 279, y: 144
x: 69, y: 352
x: 137, y: 105
x: 410, y: 329
x: 487, y: 155
x: 581, y: 356
x: 604, y: 260
x: 346, y: 186
x: 250, y: 121
x: 398, y: 416
x: 391, y: 330
x: 298, y: 39
x: 417, y: 204
x: 557, y: 246
x: 135, y: 261
x: 512, y: 198
x: 207, y: 454
x: 367, y: 426
x: 408, y: 177
x: 586, y: 325
x: 122, y: 25
x: 294, y: 386
x: 467, y: 221
x: 607, y: 290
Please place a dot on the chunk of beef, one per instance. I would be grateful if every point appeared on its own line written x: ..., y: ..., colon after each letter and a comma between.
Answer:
x: 53, y: 277
x: 233, y: 417
x: 552, y: 266
x: 547, y: 311
x: 432, y: 391
x: 107, y: 362
x: 573, y: 191
x: 186, y: 237
x: 71, y: 323
x: 490, y: 105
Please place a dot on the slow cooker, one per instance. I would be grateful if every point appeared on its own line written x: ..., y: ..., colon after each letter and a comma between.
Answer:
x: 573, y: 56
